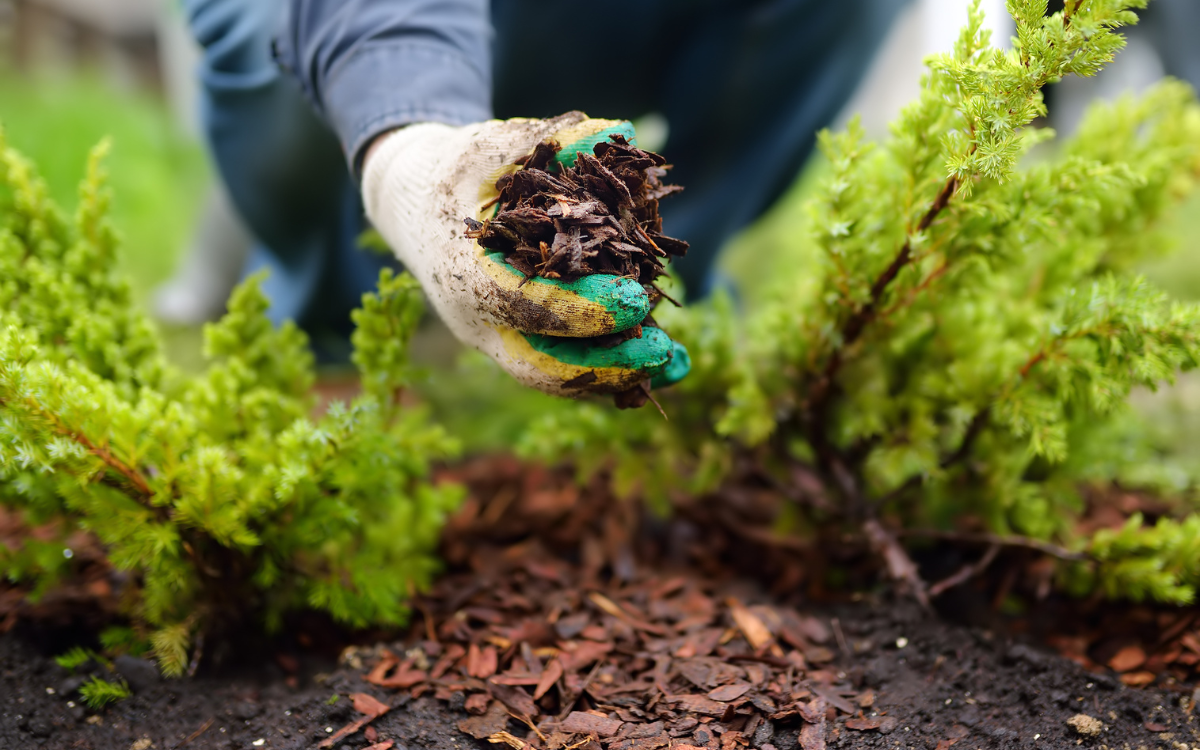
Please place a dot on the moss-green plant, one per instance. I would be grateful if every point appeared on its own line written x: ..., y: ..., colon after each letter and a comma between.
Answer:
x: 75, y: 658
x: 98, y: 692
x: 965, y: 336
x: 222, y: 494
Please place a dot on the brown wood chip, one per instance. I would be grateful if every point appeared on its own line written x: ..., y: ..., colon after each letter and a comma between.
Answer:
x: 581, y: 722
x: 730, y: 692
x: 752, y: 627
x: 1128, y: 659
x: 368, y: 705
x: 698, y: 704
x: 812, y: 736
x: 477, y: 703
x: 364, y: 704
x: 517, y: 700
x: 491, y: 722
x: 552, y: 674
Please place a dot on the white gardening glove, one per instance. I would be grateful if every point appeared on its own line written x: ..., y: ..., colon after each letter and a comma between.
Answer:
x: 419, y: 185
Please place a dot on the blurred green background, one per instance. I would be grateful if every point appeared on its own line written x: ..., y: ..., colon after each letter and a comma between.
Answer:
x: 160, y: 175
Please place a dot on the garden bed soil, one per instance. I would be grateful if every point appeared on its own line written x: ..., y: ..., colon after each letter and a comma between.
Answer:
x: 638, y: 635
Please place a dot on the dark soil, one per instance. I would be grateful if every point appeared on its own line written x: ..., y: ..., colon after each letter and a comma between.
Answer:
x: 948, y: 684
x: 527, y: 558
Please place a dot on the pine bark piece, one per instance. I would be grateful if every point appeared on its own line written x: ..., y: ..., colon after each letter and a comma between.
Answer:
x: 581, y: 722
x: 482, y: 727
x: 727, y: 693
x: 698, y: 704
x: 517, y: 700
x: 752, y: 627
x: 1128, y: 659
x: 551, y: 675
x: 812, y: 734
x: 364, y: 704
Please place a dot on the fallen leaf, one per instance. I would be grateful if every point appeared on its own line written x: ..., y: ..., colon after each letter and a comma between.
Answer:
x: 1128, y: 659
x: 752, y: 627
x: 866, y: 699
x: 581, y: 722
x: 946, y: 744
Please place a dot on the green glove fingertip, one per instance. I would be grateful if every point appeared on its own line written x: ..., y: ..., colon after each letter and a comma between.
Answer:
x: 647, y: 355
x: 677, y: 369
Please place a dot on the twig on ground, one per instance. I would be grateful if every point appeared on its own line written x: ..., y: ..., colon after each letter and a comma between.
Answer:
x: 900, y: 566
x: 203, y: 728
x: 1046, y: 548
x: 965, y: 573
x: 197, y: 655
x: 761, y: 535
x: 841, y: 637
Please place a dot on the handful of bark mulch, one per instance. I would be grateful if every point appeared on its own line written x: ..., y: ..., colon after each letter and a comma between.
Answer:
x: 599, y: 216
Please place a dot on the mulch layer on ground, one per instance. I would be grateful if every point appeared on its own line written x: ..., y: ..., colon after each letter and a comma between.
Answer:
x: 567, y: 621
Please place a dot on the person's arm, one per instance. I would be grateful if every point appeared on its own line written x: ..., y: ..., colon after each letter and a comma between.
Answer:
x: 409, y: 81
x: 371, y: 66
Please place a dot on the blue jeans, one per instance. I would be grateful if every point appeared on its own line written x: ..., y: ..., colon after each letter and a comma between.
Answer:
x: 744, y: 85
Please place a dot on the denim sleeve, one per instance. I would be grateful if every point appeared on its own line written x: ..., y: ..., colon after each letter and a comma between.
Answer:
x: 372, y: 65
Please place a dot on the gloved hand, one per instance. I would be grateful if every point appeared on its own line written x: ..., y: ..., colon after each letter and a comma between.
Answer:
x: 419, y: 184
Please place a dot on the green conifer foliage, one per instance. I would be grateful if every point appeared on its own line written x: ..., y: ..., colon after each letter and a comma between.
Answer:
x: 973, y: 331
x: 221, y: 494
